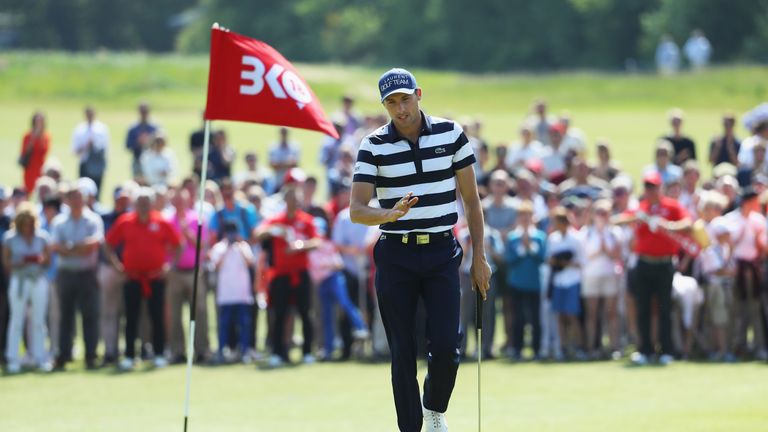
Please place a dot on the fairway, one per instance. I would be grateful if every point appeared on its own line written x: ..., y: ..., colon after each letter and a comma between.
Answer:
x: 356, y: 397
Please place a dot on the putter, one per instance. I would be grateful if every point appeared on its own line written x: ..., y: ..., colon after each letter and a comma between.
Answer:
x: 479, y: 340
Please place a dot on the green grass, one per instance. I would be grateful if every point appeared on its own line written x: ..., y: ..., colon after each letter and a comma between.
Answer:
x: 356, y: 397
x: 629, y: 110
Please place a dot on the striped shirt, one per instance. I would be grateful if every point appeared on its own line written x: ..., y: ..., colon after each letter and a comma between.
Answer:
x: 427, y: 168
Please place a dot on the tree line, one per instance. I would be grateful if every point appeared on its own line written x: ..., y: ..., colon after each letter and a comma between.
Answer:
x: 485, y: 35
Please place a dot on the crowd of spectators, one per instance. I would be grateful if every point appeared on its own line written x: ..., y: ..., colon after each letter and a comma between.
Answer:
x: 587, y: 265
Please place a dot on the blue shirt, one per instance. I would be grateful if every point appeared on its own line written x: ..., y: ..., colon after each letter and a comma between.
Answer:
x: 132, y: 140
x: 244, y: 216
x: 523, y: 264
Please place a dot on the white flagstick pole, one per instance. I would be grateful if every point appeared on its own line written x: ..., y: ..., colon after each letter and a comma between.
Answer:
x: 193, y: 308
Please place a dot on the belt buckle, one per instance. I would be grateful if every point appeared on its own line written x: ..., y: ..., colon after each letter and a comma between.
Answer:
x: 404, y: 238
x: 422, y: 239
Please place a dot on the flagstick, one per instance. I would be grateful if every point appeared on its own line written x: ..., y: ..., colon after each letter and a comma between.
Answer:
x: 479, y: 342
x: 193, y: 308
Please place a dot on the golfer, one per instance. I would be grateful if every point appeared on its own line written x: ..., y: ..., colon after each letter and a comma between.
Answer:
x: 415, y: 163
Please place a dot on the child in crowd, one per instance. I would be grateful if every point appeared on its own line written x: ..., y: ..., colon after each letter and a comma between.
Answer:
x: 233, y: 257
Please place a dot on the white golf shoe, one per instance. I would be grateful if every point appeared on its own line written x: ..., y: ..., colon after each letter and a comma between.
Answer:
x: 434, y: 421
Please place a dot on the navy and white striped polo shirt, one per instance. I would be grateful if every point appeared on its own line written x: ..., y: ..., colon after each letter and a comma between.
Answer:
x: 427, y: 168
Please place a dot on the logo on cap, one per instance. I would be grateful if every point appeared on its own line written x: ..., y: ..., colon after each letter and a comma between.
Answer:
x: 396, y: 81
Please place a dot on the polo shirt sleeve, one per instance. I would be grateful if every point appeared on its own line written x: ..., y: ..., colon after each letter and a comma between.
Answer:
x: 464, y: 155
x: 213, y: 224
x: 56, y: 230
x: 365, y: 167
x: 97, y: 230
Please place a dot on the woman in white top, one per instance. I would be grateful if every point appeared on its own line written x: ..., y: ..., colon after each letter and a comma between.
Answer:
x: 26, y: 254
x: 601, y: 272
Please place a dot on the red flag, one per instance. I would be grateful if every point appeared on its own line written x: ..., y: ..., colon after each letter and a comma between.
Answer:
x: 250, y: 81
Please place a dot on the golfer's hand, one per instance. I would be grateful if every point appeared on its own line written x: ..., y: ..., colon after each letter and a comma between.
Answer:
x: 402, y: 207
x: 481, y: 275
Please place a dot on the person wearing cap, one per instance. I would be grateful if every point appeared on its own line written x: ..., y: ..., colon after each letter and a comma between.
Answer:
x: 139, y: 137
x: 725, y: 148
x: 76, y: 237
x: 683, y: 146
x: 663, y: 165
x: 415, y: 164
x: 290, y: 235
x: 748, y: 232
x: 147, y: 241
x: 90, y: 142
x: 283, y: 155
x: 34, y: 149
x: 658, y: 217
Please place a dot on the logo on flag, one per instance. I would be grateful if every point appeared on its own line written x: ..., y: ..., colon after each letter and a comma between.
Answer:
x: 250, y: 81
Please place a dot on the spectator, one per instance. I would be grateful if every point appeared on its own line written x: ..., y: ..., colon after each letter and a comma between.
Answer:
x: 309, y: 188
x: 330, y: 148
x: 76, y: 239
x: 90, y: 143
x: 719, y: 269
x: 527, y: 189
x: 139, y: 138
x: 233, y: 210
x: 26, y: 254
x: 667, y: 170
x: 691, y: 192
x: 683, y: 146
x: 605, y: 168
x: 51, y: 208
x: 351, y: 239
x: 494, y: 251
x: 554, y: 164
x: 525, y: 252
x: 158, y: 162
x: 526, y: 149
x: 725, y: 148
x: 351, y: 120
x: 254, y: 172
x: 197, y: 140
x: 221, y: 157
x: 540, y: 122
x: 746, y: 153
x: 292, y: 234
x: 659, y: 215
x: 697, y: 50
x: 748, y: 231
x: 341, y: 173
x: 565, y: 256
x: 34, y: 149
x: 283, y: 155
x: 181, y: 280
x: 5, y: 225
x: 325, y: 269
x: 602, y: 272
x: 667, y: 56
x: 574, y: 139
x: 111, y: 281
x: 233, y: 259
x: 583, y: 182
x: 146, y: 239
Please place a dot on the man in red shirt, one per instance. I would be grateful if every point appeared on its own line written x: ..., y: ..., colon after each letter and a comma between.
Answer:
x: 290, y: 234
x: 146, y: 239
x: 660, y: 219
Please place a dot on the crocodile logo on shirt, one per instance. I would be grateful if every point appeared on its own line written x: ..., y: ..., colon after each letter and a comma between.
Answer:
x: 440, y: 150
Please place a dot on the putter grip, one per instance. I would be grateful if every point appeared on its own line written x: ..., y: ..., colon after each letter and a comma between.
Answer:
x: 479, y: 310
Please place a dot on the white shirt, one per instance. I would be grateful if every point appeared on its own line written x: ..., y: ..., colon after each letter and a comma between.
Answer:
x: 233, y: 285
x: 745, y: 232
x: 597, y: 263
x: 95, y: 132
x: 518, y: 154
x: 557, y: 243
x: 574, y: 140
x: 746, y: 154
x: 158, y: 168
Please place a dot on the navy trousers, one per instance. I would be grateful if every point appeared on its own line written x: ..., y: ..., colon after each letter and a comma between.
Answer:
x: 405, y: 273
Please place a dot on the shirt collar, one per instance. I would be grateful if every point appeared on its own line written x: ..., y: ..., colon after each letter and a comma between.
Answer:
x: 426, y: 128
